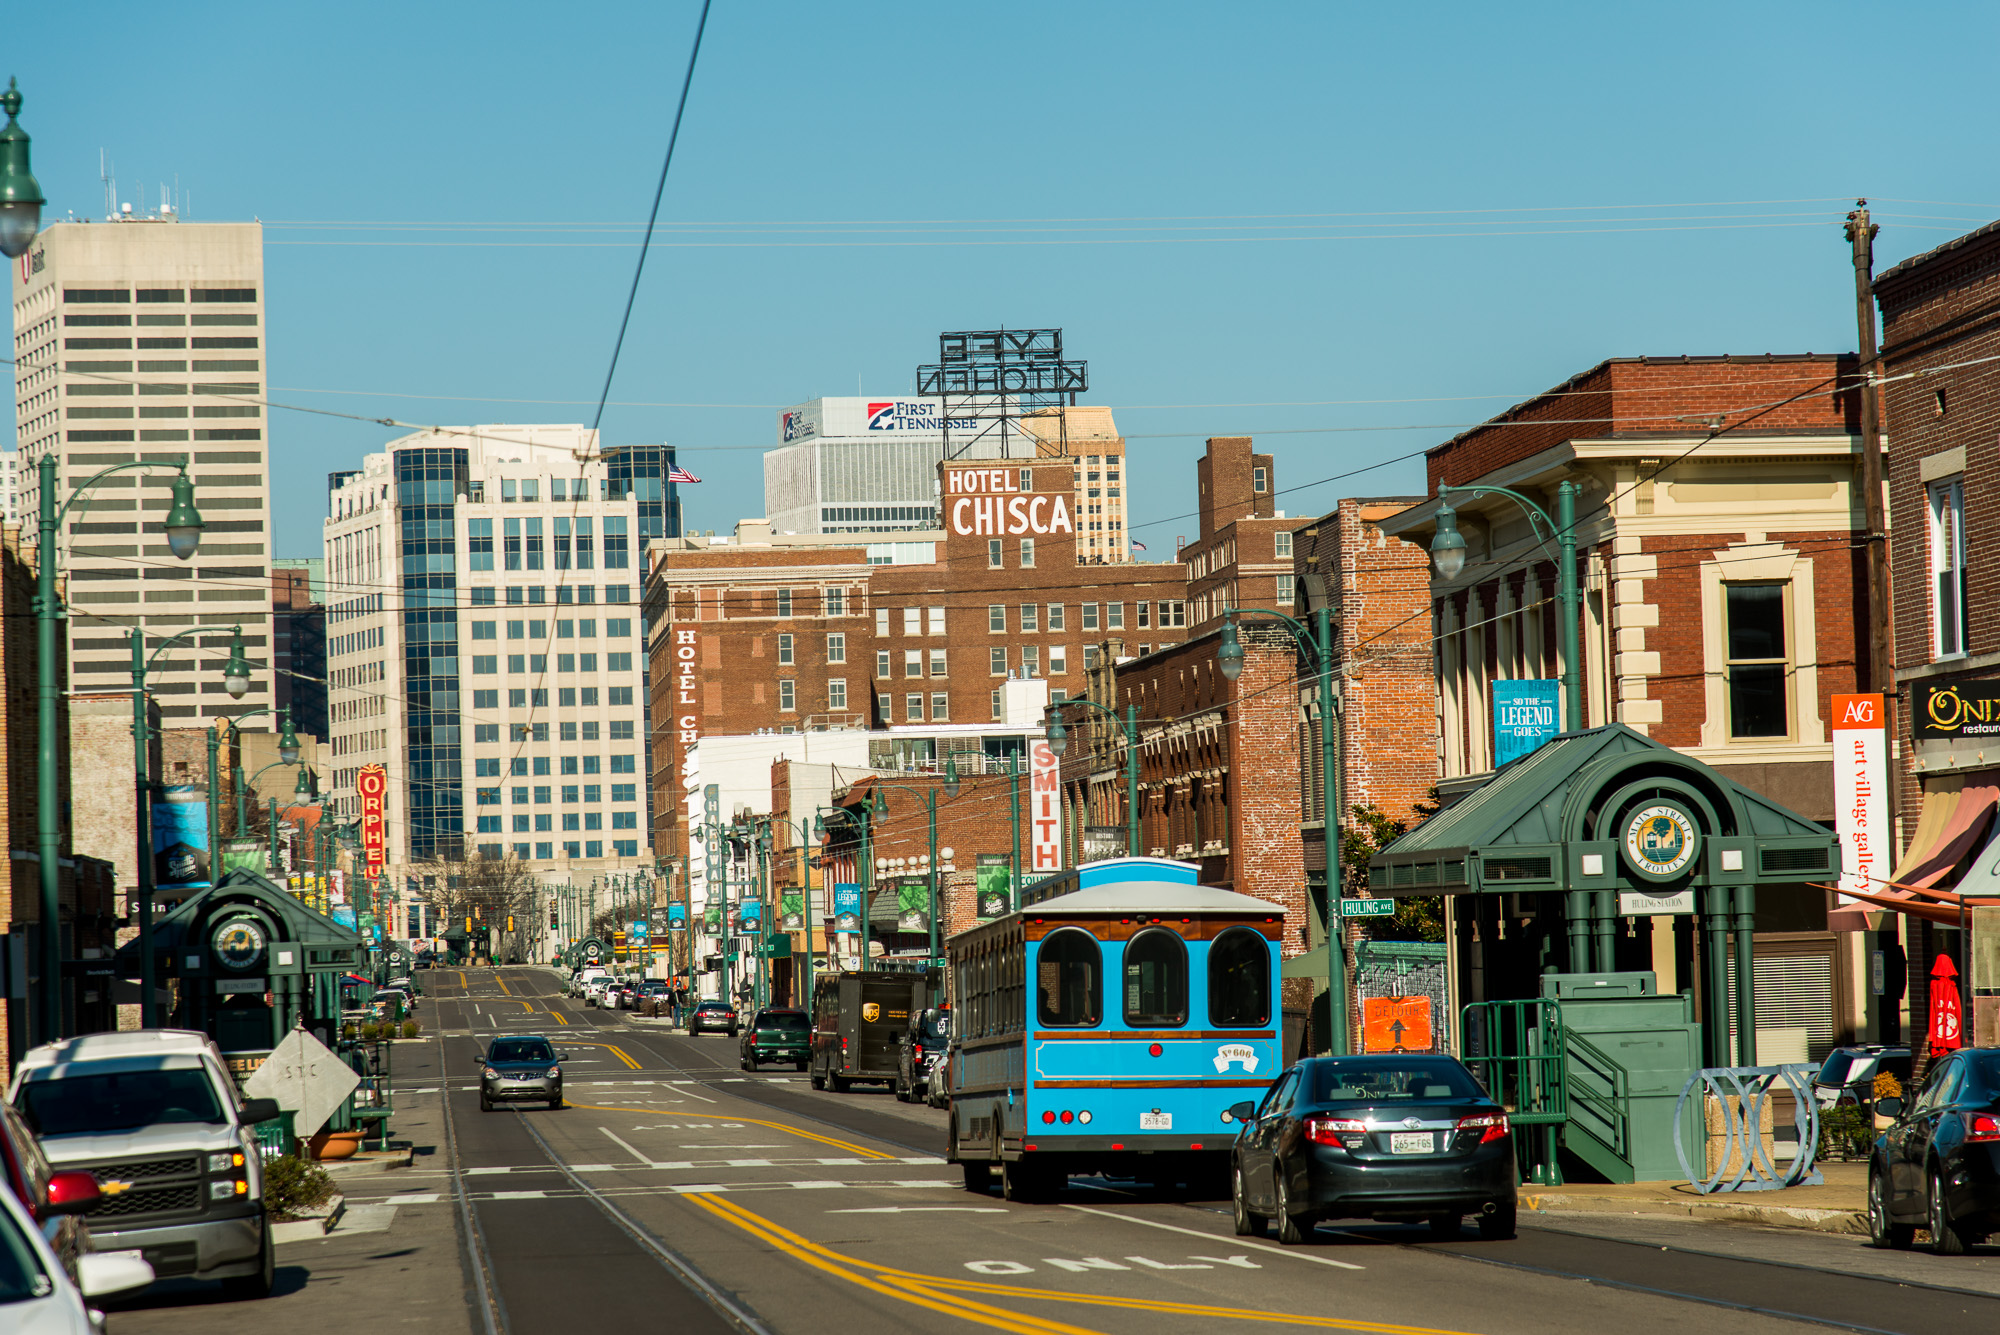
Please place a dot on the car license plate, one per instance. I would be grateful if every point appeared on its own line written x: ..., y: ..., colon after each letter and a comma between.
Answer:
x: 1411, y: 1142
x: 135, y: 1254
x: 1156, y: 1121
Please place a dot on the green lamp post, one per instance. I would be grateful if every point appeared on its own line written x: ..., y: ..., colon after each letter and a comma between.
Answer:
x: 20, y: 196
x: 183, y: 525
x: 929, y: 797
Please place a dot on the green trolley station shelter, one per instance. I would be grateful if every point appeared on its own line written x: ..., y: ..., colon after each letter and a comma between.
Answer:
x: 1555, y: 867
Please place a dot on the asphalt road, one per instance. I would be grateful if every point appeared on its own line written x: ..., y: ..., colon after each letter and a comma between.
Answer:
x: 680, y: 1192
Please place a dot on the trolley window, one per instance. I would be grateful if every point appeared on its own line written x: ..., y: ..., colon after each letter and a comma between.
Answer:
x: 1156, y: 980
x: 1066, y: 979
x: 1239, y: 979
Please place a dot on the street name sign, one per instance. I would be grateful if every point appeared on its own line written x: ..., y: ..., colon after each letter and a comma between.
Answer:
x: 1367, y: 908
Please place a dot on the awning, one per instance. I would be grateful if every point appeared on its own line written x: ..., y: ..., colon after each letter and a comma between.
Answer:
x: 1982, y: 878
x: 1954, y: 825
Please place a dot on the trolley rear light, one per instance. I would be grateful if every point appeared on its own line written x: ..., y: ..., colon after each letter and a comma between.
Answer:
x: 1084, y: 1117
x: 1068, y: 1117
x: 1493, y: 1126
x: 1154, y: 1050
x: 1048, y: 1117
x: 1345, y: 1132
x: 1983, y: 1127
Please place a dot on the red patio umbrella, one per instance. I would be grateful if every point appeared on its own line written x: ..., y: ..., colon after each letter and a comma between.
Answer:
x: 1946, y: 1033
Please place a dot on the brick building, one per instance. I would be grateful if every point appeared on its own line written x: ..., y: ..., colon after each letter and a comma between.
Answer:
x: 1941, y: 408
x: 298, y: 644
x: 785, y: 636
x: 1242, y: 554
x: 1720, y: 559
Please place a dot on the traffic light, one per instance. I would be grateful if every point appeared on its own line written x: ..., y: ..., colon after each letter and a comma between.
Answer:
x: 510, y: 922
x: 468, y: 925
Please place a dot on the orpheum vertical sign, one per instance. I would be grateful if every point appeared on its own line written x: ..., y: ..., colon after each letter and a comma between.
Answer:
x: 1861, y: 793
x: 373, y: 785
x: 1045, y: 807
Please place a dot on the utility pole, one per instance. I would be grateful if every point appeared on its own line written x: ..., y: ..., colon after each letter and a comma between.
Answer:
x: 1881, y: 655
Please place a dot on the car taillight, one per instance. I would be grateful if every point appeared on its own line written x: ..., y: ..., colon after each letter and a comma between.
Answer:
x: 1982, y: 1127
x: 1491, y: 1126
x: 1345, y: 1132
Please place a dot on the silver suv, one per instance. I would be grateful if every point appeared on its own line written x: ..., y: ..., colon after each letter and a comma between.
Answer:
x: 154, y: 1116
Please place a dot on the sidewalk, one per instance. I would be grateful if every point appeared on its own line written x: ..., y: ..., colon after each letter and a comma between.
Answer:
x: 1837, y: 1205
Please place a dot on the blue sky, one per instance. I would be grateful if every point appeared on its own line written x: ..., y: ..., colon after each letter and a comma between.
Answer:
x: 1295, y: 207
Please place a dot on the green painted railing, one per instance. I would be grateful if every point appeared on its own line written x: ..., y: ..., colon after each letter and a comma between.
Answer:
x: 1516, y: 1050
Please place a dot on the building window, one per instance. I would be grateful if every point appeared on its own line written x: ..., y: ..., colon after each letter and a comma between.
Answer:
x: 1090, y: 616
x: 621, y: 730
x: 483, y: 630
x: 1286, y: 591
x: 613, y: 695
x: 913, y: 662
x: 993, y: 553
x: 1058, y: 660
x: 624, y: 792
x: 935, y: 617
x: 937, y: 663
x: 1949, y: 620
x: 913, y: 621
x: 885, y: 705
x: 1027, y: 553
x: 940, y: 707
x: 996, y: 618
x: 1259, y: 479
x: 1281, y: 546
x: 882, y: 621
x: 996, y: 705
x: 998, y: 654
x: 511, y: 543
x: 913, y: 707
x: 1031, y: 659
x: 1089, y: 657
x: 1114, y: 616
x: 836, y: 648
x: 1172, y: 614
x: 836, y: 694
x: 784, y: 651
x: 1145, y: 615
x: 615, y: 550
x: 1030, y: 618
x: 535, y: 544
x: 784, y: 603
x: 881, y: 662
x: 1056, y: 617
x: 788, y: 695
x: 479, y: 543
x: 836, y: 602
x: 1756, y: 665
x: 615, y: 662
x: 485, y: 665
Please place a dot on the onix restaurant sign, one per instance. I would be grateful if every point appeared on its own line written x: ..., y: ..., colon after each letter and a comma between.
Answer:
x: 1958, y: 709
x: 373, y: 785
x: 1861, y: 793
x: 991, y: 502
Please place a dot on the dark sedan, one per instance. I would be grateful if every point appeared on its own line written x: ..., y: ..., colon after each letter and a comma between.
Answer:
x: 1937, y: 1167
x: 709, y: 1016
x: 522, y: 1069
x: 1394, y: 1138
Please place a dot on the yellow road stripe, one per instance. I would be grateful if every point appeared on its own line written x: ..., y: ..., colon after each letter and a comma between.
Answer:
x: 789, y: 1241
x: 858, y: 1151
x: 461, y: 978
x: 622, y: 1055
x: 502, y: 981
x: 526, y: 1005
x: 558, y: 1017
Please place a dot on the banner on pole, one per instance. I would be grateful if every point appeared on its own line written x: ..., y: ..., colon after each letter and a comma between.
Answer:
x: 180, y: 838
x: 846, y: 908
x: 1861, y: 793
x: 1524, y: 717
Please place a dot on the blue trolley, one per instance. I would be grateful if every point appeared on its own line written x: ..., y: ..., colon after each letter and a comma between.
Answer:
x: 1107, y: 1026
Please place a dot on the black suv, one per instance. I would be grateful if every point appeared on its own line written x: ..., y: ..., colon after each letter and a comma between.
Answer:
x: 778, y: 1034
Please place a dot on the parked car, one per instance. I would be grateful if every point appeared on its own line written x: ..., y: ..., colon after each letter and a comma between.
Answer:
x: 154, y: 1116
x: 594, y: 990
x: 920, y: 1054
x: 712, y: 1015
x: 612, y: 996
x: 777, y: 1034
x: 522, y: 1068
x: 1848, y: 1074
x: 652, y: 997
x: 29, y: 1175
x: 1937, y: 1167
x: 938, y: 1093
x: 37, y: 1293
x: 1382, y: 1137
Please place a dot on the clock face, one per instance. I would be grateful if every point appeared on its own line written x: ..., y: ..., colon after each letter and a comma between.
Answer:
x: 239, y: 943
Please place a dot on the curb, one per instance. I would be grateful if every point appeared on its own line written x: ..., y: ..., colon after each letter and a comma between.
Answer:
x: 1770, y: 1216
x: 305, y: 1230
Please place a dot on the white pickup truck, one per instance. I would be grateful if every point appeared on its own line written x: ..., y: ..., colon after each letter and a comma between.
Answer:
x: 154, y: 1116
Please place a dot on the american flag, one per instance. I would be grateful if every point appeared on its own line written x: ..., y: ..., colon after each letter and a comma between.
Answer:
x: 675, y: 473
x: 1138, y: 546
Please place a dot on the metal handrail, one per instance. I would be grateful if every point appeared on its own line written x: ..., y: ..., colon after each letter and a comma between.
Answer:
x: 1519, y: 1058
x: 1613, y: 1110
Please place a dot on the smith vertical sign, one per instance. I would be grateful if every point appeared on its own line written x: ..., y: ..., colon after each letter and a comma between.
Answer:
x: 1861, y: 793
x: 372, y: 783
x: 1045, y: 807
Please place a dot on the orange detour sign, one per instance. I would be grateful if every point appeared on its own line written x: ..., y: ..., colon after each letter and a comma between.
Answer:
x: 1396, y: 1024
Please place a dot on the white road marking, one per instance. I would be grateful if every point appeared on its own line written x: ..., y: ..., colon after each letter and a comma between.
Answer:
x: 414, y: 1198
x: 941, y: 1209
x: 519, y: 1195
x: 1214, y: 1237
x: 627, y: 1148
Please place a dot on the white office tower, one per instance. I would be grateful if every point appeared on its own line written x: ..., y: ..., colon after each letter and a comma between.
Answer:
x: 143, y: 339
x: 10, y: 485
x: 869, y: 465
x: 484, y: 644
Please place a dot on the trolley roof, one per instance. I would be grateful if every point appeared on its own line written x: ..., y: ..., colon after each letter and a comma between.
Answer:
x: 1161, y: 897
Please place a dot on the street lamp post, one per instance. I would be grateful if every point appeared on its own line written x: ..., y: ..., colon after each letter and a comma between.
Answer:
x: 1317, y: 640
x: 183, y: 529
x: 1589, y: 912
x: 1129, y: 725
x: 20, y: 196
x: 288, y: 749
x: 930, y: 797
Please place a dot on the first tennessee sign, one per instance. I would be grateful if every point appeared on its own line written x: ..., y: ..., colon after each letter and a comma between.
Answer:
x: 987, y: 502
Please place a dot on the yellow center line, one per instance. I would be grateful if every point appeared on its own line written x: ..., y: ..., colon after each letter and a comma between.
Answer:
x: 463, y: 985
x: 905, y: 1282
x: 558, y: 1017
x: 502, y: 981
x: 526, y: 1005
x: 858, y: 1151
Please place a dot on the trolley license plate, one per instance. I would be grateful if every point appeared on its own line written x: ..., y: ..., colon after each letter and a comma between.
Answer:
x: 1156, y: 1121
x: 1411, y: 1142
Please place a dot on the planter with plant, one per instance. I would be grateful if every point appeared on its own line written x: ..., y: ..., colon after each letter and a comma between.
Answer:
x: 295, y: 1188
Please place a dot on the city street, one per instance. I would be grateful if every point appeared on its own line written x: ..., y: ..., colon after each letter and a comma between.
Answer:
x: 679, y: 1191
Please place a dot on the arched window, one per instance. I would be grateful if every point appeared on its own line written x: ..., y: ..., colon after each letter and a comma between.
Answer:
x: 1156, y: 980
x: 1239, y: 979
x: 1067, y: 967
